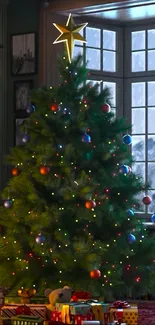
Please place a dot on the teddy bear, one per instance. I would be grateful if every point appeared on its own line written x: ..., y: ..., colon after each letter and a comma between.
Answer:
x: 61, y: 295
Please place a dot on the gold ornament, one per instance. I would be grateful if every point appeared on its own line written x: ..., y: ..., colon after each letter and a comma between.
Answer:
x: 69, y: 34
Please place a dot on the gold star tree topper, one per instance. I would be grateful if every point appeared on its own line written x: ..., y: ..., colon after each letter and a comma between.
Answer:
x: 69, y: 34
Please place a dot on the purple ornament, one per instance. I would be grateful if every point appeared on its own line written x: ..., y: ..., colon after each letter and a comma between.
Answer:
x: 86, y: 138
x: 8, y: 203
x: 30, y: 109
x: 40, y: 239
x: 25, y: 138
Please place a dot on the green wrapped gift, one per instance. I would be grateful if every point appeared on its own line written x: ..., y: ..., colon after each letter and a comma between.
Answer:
x: 40, y: 300
x: 12, y: 300
x: 26, y: 320
x: 75, y: 308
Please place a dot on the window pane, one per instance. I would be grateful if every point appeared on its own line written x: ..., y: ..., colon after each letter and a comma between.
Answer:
x: 151, y: 39
x: 151, y: 93
x: 138, y: 120
x: 138, y: 61
x: 138, y: 147
x: 77, y: 50
x: 151, y: 148
x: 139, y: 170
x: 151, y: 174
x: 151, y: 120
x: 93, y: 37
x: 94, y: 59
x: 109, y: 61
x: 138, y: 94
x: 151, y: 60
x: 151, y: 207
x: 138, y: 40
x: 112, y: 87
x: 109, y: 40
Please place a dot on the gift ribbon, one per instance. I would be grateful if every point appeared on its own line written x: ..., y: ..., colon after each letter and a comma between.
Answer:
x: 65, y: 314
x: 98, y: 312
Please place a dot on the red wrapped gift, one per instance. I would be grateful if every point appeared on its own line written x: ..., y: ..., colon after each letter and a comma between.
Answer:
x: 56, y: 316
x: 23, y: 310
x: 78, y: 319
x: 8, y: 311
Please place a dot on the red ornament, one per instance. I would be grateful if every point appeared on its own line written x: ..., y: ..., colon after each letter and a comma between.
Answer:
x: 90, y: 204
x: 15, y: 171
x: 54, y: 107
x: 147, y: 200
x: 95, y: 274
x: 105, y: 108
x: 44, y: 170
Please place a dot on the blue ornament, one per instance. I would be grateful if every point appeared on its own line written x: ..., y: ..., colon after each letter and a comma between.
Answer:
x: 31, y: 109
x: 25, y: 138
x: 124, y: 169
x: 130, y: 213
x: 8, y: 203
x: 153, y: 217
x: 86, y: 138
x: 131, y: 239
x: 40, y: 239
x: 127, y: 139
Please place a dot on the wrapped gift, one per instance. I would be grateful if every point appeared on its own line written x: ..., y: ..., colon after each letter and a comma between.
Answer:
x: 75, y: 308
x: 127, y: 315
x: 9, y: 311
x: 97, y: 311
x: 57, y: 316
x: 26, y: 320
x: 78, y: 319
x: 13, y: 300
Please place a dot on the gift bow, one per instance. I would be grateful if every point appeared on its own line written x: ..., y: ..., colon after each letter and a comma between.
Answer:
x: 65, y: 314
x: 120, y: 304
x: 80, y: 295
x: 23, y: 310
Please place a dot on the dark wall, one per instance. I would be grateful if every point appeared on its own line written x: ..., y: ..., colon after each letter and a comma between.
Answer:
x: 23, y: 17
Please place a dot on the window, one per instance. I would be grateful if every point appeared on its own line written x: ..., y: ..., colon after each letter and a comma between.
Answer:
x: 143, y: 50
x: 139, y: 83
x: 123, y: 60
x: 101, y: 52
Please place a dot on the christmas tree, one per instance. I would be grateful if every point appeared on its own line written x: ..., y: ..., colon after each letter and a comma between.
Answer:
x: 68, y: 210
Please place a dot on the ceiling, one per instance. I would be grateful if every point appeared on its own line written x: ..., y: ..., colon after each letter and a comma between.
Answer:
x: 124, y: 11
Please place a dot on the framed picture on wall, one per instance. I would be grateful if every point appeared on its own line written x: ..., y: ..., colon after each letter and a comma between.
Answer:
x: 19, y: 133
x: 22, y: 92
x: 23, y: 54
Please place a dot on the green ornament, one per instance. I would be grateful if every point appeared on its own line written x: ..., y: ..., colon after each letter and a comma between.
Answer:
x: 88, y: 155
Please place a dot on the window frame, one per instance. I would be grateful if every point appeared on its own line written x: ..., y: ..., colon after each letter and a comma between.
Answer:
x: 129, y: 78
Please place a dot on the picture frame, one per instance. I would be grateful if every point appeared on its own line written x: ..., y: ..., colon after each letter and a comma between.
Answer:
x: 18, y: 132
x: 22, y: 90
x: 23, y: 54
